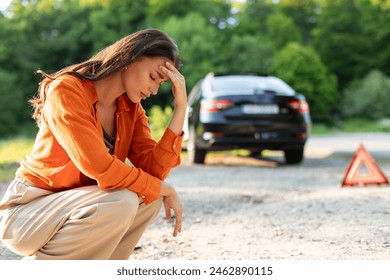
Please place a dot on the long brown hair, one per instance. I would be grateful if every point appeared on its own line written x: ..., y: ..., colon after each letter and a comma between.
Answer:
x: 148, y: 42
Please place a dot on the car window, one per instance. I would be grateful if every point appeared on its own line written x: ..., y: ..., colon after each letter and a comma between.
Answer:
x: 250, y: 84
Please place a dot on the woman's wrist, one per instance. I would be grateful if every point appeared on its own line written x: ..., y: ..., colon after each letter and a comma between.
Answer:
x: 182, y: 105
x: 166, y: 190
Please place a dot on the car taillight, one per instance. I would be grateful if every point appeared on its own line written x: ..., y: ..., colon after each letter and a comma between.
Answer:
x: 299, y: 106
x: 212, y: 106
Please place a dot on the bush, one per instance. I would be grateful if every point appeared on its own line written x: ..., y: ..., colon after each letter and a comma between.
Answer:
x: 11, y: 102
x: 302, y: 68
x: 282, y: 30
x: 368, y: 98
x: 159, y: 120
x: 248, y: 54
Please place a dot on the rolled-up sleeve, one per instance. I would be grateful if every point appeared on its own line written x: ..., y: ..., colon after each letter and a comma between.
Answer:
x: 169, y: 148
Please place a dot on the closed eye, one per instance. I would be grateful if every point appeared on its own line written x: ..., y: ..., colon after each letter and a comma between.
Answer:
x: 154, y: 79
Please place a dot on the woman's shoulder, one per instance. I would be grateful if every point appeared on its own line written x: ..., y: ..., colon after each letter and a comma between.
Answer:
x: 71, y: 80
x: 71, y: 85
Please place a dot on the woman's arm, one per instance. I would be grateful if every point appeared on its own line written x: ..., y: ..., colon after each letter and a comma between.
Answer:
x: 171, y: 198
x: 179, y: 92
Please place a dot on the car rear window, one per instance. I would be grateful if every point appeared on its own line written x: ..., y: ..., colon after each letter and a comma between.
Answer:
x: 250, y: 84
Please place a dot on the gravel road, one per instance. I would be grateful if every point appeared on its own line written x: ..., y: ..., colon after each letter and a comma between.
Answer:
x: 246, y: 208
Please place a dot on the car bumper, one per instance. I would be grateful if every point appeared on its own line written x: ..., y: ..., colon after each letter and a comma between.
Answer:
x: 233, y: 137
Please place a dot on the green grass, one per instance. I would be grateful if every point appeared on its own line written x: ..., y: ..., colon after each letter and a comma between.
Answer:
x: 12, y: 151
x: 352, y: 126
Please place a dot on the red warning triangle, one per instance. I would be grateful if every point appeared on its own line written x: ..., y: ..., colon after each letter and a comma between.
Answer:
x: 354, y: 177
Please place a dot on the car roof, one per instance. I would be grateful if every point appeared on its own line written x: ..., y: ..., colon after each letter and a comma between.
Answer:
x: 245, y: 84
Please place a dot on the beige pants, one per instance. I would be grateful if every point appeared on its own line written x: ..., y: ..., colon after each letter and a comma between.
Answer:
x: 82, y: 223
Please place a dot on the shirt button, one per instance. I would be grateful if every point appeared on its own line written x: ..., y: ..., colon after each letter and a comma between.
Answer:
x: 143, y: 197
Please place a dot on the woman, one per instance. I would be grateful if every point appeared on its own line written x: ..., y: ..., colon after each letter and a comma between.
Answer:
x: 75, y: 196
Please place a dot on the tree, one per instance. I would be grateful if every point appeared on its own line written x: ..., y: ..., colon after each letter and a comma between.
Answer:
x: 376, y: 31
x: 252, y: 17
x: 302, y: 68
x: 114, y: 19
x: 304, y: 14
x: 198, y: 41
x: 281, y: 30
x: 11, y: 100
x: 344, y: 38
x: 215, y: 11
x: 15, y: 75
x: 247, y: 54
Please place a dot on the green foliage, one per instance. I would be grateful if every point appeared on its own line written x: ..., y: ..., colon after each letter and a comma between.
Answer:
x: 352, y: 38
x: 376, y: 18
x: 347, y: 37
x: 368, y: 98
x: 161, y: 10
x: 253, y: 17
x: 304, y: 13
x: 116, y: 20
x: 197, y: 40
x: 159, y: 120
x: 301, y: 67
x: 281, y: 30
x: 11, y: 99
x: 248, y: 54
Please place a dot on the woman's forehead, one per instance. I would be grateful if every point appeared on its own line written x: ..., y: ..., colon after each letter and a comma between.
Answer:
x: 153, y: 64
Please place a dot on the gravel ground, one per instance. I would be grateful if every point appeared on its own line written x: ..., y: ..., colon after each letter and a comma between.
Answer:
x: 246, y: 208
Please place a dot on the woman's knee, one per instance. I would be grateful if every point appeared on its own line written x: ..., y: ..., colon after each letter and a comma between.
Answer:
x: 126, y: 202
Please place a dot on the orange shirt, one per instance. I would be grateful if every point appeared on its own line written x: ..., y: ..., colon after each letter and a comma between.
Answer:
x: 69, y: 149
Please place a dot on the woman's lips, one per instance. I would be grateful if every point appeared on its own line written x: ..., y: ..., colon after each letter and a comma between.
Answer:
x: 144, y: 96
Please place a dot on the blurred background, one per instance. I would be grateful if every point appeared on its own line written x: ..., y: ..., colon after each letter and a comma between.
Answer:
x: 335, y: 52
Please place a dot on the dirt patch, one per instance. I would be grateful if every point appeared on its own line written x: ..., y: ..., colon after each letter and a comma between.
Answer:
x: 246, y: 208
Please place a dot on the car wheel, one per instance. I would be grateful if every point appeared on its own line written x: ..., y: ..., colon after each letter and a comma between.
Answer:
x: 195, y: 154
x: 293, y: 156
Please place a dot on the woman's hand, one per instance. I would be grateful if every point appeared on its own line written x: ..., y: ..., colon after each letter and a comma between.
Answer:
x: 172, y: 202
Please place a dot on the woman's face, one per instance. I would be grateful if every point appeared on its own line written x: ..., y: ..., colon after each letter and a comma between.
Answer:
x: 144, y: 77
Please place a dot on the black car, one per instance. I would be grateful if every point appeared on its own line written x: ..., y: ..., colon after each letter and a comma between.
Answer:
x: 246, y: 112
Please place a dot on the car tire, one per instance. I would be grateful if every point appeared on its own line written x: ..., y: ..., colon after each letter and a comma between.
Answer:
x: 195, y: 154
x: 293, y: 156
x: 199, y: 156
